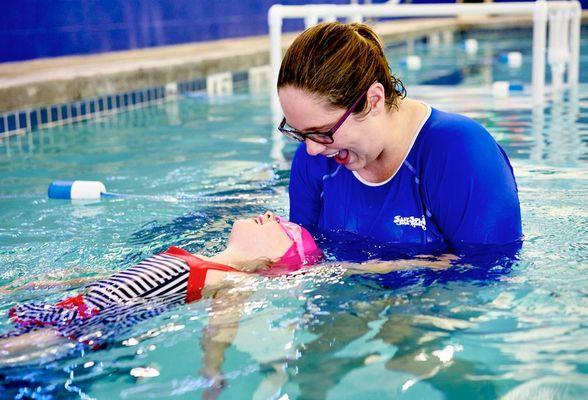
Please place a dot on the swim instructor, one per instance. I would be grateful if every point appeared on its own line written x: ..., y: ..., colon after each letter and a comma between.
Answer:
x: 378, y: 164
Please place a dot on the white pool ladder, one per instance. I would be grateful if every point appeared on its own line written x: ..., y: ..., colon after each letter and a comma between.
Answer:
x: 562, y: 48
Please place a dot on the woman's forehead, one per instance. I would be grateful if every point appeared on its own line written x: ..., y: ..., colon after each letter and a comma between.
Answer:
x: 304, y: 111
x: 301, y: 97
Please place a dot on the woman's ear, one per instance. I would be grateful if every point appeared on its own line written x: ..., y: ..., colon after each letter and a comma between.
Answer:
x: 376, y: 97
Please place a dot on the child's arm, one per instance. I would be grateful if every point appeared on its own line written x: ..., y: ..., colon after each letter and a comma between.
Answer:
x: 227, y: 307
x: 47, y: 284
x: 33, y: 346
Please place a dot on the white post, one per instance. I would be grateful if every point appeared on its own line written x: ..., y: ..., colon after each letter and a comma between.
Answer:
x: 558, y: 52
x: 275, y: 32
x: 330, y: 18
x: 574, y: 60
x: 310, y: 20
x: 555, y: 50
x: 539, y: 33
x: 356, y: 16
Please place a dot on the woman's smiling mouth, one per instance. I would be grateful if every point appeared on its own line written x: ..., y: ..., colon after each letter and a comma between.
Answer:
x: 341, y: 156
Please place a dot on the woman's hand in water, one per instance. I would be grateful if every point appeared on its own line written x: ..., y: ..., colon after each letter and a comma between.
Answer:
x: 383, y: 267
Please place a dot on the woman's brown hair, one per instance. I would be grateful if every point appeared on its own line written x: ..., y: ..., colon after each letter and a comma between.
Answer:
x: 339, y: 61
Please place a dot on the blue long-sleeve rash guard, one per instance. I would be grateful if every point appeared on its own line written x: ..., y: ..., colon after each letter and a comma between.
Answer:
x: 455, y: 189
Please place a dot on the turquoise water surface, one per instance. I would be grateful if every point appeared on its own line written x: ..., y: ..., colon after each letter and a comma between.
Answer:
x: 193, y: 165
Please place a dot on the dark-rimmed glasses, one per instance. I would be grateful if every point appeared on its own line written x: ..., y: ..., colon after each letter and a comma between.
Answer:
x: 318, y: 137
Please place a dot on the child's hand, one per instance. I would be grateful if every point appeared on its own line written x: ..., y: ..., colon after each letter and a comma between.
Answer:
x: 5, y: 290
x: 217, y: 384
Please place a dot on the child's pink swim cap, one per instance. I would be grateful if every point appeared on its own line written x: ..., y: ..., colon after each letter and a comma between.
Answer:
x: 303, y: 251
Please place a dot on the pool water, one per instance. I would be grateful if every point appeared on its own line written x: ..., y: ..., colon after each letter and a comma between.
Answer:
x: 191, y: 166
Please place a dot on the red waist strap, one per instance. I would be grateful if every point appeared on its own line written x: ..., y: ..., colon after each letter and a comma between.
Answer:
x: 198, y: 270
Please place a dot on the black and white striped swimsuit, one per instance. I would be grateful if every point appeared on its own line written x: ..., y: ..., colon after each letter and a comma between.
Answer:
x: 110, y: 305
x: 156, y: 276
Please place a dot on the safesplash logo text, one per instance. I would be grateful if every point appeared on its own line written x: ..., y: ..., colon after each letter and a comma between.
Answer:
x: 415, y: 222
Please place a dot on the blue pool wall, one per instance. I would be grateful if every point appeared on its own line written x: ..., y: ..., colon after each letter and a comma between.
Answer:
x: 32, y: 29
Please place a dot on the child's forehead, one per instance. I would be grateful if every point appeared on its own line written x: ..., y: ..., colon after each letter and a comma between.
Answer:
x: 291, y: 229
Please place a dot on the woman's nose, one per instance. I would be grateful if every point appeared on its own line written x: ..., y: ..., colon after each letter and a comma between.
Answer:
x: 314, y: 148
x: 269, y: 216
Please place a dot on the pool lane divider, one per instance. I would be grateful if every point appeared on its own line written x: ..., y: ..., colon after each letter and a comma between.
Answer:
x: 76, y: 190
x: 94, y: 190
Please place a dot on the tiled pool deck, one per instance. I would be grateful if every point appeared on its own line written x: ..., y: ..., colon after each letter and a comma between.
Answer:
x: 27, y: 87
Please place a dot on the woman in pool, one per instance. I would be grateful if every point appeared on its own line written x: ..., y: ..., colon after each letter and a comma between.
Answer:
x: 266, y: 244
x: 383, y: 166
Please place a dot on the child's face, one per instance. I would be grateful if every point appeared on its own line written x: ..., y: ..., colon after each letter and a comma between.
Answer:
x: 259, y: 237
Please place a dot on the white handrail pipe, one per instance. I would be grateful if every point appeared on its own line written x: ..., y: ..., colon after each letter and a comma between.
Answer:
x: 420, y: 10
x: 556, y: 51
x: 539, y: 46
x: 574, y: 61
x: 310, y: 20
x: 541, y: 11
x: 275, y: 33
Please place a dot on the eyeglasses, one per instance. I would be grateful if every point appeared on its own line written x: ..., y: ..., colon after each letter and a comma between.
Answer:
x: 318, y: 137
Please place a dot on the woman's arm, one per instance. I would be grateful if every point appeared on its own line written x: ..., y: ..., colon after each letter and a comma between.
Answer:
x: 469, y: 186
x: 383, y: 267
